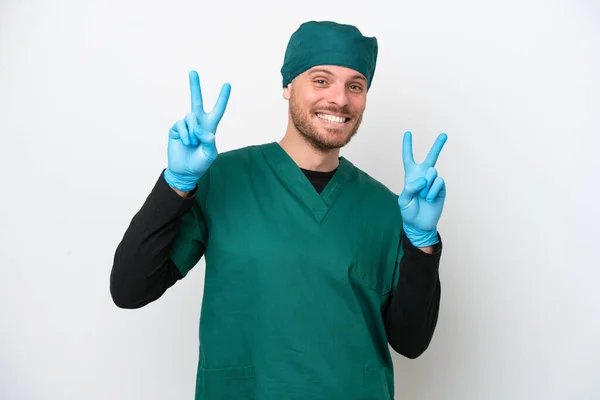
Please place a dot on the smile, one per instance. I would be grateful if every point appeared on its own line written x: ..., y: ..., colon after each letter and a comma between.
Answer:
x: 332, y: 118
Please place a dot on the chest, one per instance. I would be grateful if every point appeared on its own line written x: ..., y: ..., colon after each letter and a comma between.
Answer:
x: 274, y: 240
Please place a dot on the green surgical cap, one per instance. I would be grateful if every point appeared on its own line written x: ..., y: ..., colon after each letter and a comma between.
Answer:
x: 329, y: 43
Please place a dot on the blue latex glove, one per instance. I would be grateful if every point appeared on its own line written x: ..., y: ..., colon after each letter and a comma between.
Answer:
x: 192, y: 148
x: 422, y: 199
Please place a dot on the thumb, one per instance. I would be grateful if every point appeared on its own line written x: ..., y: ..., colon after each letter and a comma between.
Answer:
x: 207, y: 146
x: 410, y: 190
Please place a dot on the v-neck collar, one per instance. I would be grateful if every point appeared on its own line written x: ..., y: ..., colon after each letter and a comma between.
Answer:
x: 292, y: 177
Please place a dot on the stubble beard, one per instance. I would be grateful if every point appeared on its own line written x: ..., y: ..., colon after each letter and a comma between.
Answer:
x: 332, y: 139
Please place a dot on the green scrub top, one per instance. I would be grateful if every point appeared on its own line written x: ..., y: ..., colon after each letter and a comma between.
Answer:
x: 295, y: 281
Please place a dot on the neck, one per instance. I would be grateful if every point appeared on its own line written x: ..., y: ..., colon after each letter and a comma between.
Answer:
x: 305, y: 155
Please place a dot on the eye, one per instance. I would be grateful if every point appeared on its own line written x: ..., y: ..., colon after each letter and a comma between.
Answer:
x: 321, y: 81
x: 356, y: 88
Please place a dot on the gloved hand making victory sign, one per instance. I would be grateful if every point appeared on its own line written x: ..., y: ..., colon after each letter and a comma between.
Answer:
x: 192, y: 147
x: 422, y: 199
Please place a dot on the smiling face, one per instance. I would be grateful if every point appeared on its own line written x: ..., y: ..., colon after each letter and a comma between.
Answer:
x: 326, y: 105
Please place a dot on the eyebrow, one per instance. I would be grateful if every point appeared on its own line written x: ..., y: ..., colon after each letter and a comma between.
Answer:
x: 328, y: 72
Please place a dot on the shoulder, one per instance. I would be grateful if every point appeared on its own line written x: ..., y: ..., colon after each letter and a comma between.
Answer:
x: 234, y: 161
x: 225, y: 176
x: 379, y: 201
x: 236, y: 156
x: 373, y: 187
x: 230, y: 169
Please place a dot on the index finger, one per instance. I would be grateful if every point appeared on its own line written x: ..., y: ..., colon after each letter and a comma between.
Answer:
x: 436, y: 149
x: 219, y: 108
x: 196, y: 94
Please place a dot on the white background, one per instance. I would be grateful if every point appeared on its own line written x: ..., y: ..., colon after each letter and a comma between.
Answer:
x: 89, y: 90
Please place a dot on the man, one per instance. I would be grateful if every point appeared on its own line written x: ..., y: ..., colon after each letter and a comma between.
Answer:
x: 312, y: 266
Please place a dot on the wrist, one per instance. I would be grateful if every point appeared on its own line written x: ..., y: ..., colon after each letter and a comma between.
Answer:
x: 181, y: 184
x: 180, y: 192
x: 427, y: 249
x: 420, y: 238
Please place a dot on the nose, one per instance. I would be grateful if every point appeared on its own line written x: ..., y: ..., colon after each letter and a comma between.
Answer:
x: 338, y: 95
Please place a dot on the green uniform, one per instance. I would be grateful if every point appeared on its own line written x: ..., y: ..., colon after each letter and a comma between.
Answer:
x: 295, y: 280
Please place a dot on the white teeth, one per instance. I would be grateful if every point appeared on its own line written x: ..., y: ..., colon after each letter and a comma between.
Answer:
x: 332, y: 118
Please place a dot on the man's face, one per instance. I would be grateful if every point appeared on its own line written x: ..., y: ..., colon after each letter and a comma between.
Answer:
x: 326, y: 105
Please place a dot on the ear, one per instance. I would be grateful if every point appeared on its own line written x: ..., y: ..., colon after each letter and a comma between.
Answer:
x: 287, y: 92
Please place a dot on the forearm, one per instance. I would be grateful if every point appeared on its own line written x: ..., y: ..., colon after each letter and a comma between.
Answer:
x: 142, y: 270
x: 412, y: 312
